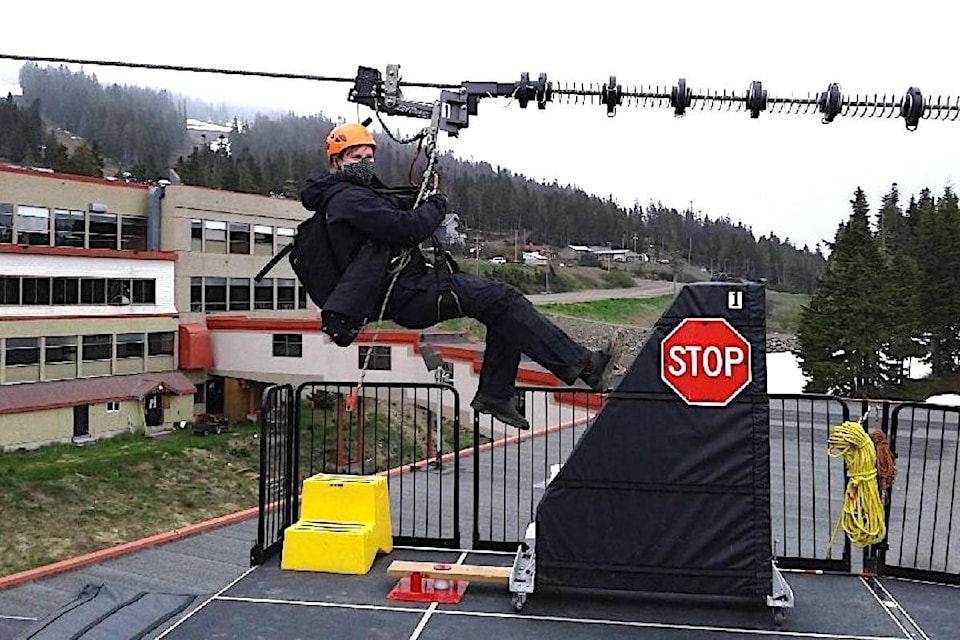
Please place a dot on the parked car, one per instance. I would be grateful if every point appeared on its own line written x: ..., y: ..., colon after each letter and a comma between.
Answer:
x: 209, y: 423
x: 498, y: 260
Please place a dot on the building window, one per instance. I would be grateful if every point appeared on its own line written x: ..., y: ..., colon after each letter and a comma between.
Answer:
x: 284, y: 237
x: 133, y: 233
x: 144, y: 291
x: 160, y: 344
x: 380, y: 358
x: 113, y: 406
x: 287, y: 345
x: 36, y: 291
x: 196, y: 294
x: 97, y: 347
x: 214, y: 236
x: 118, y: 292
x: 9, y: 290
x: 301, y: 297
x: 196, y: 234
x: 93, y: 291
x: 103, y: 231
x: 22, y: 352
x: 70, y: 228
x: 262, y: 240
x: 6, y: 222
x: 215, y: 294
x: 240, y: 238
x: 129, y: 345
x: 263, y: 294
x: 61, y: 349
x: 286, y: 293
x: 239, y: 294
x: 33, y: 225
x: 66, y: 291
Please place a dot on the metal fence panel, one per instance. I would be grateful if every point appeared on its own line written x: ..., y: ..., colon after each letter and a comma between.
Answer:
x: 806, y: 486
x: 511, y: 473
x: 923, y: 534
x: 408, y: 432
x: 278, y: 491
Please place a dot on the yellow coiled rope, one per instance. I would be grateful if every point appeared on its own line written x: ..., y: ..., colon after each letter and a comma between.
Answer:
x: 862, y: 517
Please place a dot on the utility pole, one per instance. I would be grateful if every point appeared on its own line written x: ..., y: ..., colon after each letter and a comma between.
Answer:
x: 515, y: 256
x: 476, y: 250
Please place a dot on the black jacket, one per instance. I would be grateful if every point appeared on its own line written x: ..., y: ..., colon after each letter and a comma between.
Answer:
x: 367, y: 230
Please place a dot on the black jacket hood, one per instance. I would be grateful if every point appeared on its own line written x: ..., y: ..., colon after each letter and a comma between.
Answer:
x: 318, y: 185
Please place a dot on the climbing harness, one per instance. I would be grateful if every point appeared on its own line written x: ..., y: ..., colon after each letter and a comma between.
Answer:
x: 862, y: 516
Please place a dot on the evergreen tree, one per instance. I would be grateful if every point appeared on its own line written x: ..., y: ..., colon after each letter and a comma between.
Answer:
x: 842, y: 330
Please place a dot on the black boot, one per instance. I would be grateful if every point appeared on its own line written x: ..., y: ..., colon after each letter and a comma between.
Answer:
x: 504, y: 410
x: 601, y: 364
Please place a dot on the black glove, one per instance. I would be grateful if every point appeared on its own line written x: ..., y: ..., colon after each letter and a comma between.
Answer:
x: 439, y: 199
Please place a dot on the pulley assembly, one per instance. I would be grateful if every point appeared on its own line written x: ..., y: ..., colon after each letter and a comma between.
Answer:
x: 459, y: 103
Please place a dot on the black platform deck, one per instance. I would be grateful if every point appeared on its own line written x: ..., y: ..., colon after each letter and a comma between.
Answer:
x: 268, y: 603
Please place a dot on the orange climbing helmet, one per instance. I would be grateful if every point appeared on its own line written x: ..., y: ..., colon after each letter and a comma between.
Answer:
x: 348, y: 135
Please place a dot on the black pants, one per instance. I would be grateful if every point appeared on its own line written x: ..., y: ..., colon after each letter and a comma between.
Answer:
x: 513, y: 325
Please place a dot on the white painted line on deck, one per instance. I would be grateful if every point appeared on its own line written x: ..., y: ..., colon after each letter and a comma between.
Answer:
x: 204, y: 603
x: 315, y: 603
x: 24, y: 618
x: 431, y: 609
x: 664, y: 625
x: 470, y: 551
x: 768, y: 633
x: 866, y: 585
x: 906, y: 614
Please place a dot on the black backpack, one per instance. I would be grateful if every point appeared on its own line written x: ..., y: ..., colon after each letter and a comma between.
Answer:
x: 313, y: 260
x: 320, y: 274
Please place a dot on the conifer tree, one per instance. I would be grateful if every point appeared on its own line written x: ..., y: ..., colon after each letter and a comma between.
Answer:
x: 841, y: 331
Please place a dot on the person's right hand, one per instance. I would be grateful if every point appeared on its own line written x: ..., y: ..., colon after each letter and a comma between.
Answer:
x: 439, y: 199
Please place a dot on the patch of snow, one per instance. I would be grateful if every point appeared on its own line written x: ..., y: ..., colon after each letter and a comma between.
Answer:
x: 199, y: 125
x: 918, y: 369
x: 784, y: 374
x: 946, y: 399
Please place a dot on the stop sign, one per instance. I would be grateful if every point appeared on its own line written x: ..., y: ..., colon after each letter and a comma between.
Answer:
x: 706, y: 361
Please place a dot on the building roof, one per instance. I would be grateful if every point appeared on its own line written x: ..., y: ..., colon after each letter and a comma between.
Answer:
x: 37, y: 396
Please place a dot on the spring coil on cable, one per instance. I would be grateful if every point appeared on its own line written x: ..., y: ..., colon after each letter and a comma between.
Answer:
x: 912, y: 106
x: 946, y: 108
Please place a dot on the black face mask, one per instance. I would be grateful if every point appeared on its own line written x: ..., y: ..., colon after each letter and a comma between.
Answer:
x: 358, y: 172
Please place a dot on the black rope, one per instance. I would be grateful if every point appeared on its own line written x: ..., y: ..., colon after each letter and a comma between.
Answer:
x: 233, y: 72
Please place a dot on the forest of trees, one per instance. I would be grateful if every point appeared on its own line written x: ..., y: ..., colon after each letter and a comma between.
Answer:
x: 888, y: 294
x: 143, y: 132
x: 141, y: 129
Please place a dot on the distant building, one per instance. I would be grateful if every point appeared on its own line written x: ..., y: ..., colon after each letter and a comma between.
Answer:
x: 607, y: 255
x: 450, y: 230
x: 534, y: 258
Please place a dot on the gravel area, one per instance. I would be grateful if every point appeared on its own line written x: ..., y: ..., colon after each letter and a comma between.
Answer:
x: 595, y: 334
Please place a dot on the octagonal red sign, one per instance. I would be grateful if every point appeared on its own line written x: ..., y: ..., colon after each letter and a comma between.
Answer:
x: 706, y: 361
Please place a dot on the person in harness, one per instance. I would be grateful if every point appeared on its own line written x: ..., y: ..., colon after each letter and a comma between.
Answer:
x: 374, y: 235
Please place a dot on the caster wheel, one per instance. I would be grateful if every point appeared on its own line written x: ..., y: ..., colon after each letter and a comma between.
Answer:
x: 779, y: 617
x: 519, y: 599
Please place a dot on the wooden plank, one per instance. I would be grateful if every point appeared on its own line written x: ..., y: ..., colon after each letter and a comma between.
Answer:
x: 472, y: 572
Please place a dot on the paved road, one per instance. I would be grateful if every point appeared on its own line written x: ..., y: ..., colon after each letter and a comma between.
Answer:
x: 644, y: 289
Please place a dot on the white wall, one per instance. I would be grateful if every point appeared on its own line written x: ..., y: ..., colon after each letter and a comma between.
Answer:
x: 252, y: 352
x: 12, y: 264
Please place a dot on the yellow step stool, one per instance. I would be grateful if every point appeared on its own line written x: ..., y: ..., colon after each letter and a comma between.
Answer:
x: 332, y: 547
x: 344, y: 522
x: 344, y: 498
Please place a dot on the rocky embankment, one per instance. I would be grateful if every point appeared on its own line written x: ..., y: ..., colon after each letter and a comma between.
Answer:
x: 595, y: 334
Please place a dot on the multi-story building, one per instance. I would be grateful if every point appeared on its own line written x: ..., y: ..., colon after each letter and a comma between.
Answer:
x: 104, y: 287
